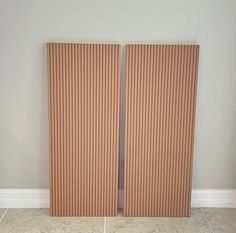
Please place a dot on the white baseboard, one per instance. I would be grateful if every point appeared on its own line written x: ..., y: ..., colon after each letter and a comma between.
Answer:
x: 24, y: 198
x: 39, y: 198
x: 218, y: 198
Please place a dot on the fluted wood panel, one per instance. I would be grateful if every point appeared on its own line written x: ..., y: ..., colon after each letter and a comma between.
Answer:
x: 161, y: 83
x: 83, y: 84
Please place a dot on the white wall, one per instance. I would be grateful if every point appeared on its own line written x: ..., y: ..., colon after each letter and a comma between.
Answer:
x: 25, y: 27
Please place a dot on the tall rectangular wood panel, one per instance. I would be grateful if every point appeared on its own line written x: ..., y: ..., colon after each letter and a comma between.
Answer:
x: 83, y: 84
x: 161, y: 83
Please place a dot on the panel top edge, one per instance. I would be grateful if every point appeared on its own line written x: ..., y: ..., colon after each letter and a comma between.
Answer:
x: 153, y: 44
x: 82, y: 43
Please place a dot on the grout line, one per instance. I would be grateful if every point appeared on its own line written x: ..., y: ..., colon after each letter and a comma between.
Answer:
x: 105, y: 224
x: 207, y: 220
x: 3, y: 215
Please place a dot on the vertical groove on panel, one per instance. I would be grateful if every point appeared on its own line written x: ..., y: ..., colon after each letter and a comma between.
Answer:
x: 83, y: 87
x: 161, y: 85
x: 50, y: 114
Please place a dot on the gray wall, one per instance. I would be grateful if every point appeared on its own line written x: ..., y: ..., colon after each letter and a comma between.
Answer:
x: 25, y: 27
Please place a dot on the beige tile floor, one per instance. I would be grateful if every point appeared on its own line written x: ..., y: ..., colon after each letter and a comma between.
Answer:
x: 204, y: 220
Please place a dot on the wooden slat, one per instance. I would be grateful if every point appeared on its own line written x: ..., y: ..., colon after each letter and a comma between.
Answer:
x: 161, y: 85
x: 83, y: 84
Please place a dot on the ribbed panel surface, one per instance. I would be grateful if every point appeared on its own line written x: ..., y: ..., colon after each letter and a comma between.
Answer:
x: 83, y: 88
x: 160, y: 111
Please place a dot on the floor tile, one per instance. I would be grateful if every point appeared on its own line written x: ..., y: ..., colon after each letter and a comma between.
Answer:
x: 194, y: 224
x: 38, y: 221
x: 2, y: 212
x: 221, y: 220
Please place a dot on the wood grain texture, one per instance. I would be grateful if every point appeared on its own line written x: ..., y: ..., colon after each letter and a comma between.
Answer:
x: 83, y: 84
x: 161, y: 83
